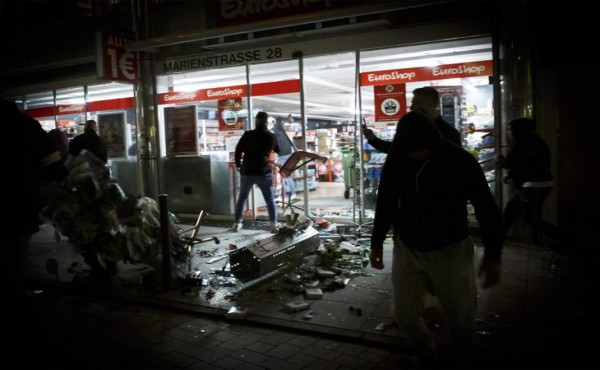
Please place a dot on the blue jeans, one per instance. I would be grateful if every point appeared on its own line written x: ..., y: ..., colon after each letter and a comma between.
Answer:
x: 265, y: 184
x: 288, y: 183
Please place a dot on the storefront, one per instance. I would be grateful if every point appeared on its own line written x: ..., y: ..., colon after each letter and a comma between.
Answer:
x: 112, y: 105
x: 323, y: 83
x: 322, y: 99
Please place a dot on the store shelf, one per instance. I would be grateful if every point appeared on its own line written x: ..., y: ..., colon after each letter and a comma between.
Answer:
x: 301, y: 177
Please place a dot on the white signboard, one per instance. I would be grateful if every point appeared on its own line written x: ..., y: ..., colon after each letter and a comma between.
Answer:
x: 233, y: 58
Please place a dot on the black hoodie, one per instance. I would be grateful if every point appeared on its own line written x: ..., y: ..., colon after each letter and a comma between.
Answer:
x: 426, y: 201
x: 529, y: 159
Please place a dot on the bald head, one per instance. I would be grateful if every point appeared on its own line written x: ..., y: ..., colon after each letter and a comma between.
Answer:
x: 426, y: 100
x: 91, y: 125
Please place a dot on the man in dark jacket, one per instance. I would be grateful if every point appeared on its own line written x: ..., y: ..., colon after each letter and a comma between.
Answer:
x: 529, y: 170
x: 30, y: 158
x: 423, y: 193
x: 252, y: 154
x: 425, y: 100
x: 90, y: 141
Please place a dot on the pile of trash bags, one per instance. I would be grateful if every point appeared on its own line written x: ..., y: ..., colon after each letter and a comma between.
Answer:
x: 93, y: 212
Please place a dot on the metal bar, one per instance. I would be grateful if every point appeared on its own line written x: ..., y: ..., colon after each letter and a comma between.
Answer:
x: 165, y: 241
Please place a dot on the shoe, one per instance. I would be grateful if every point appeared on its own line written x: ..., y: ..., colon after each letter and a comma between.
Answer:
x: 237, y: 227
x: 273, y: 228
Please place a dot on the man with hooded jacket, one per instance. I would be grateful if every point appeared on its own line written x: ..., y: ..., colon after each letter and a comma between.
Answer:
x: 529, y: 170
x: 423, y: 193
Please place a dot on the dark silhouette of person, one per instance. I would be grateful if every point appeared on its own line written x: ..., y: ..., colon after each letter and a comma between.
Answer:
x: 529, y: 171
x: 425, y: 185
x: 252, y: 154
x: 90, y: 141
x: 30, y: 157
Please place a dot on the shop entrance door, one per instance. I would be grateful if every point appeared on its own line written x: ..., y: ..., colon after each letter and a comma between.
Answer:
x: 275, y: 89
x: 330, y: 106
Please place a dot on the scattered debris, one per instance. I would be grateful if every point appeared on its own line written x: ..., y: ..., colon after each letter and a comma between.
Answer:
x: 309, y: 315
x: 236, y: 312
x: 356, y: 311
x: 192, y: 283
x: 385, y: 325
x: 295, y: 306
x: 313, y: 293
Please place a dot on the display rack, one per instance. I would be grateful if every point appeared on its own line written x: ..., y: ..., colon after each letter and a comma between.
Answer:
x: 477, y: 128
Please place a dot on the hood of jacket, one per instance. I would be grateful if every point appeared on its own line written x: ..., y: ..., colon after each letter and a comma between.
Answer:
x: 416, y: 132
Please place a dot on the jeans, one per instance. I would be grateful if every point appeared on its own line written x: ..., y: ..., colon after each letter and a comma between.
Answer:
x: 265, y: 184
x: 288, y: 182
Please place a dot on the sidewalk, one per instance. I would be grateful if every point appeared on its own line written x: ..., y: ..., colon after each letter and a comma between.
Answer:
x: 537, y: 316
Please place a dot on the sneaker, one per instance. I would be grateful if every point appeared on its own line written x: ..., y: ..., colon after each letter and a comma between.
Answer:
x: 273, y: 228
x: 237, y: 227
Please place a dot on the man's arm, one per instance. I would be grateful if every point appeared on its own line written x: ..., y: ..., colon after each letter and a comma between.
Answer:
x: 387, y: 203
x: 490, y: 222
x: 380, y: 145
x: 239, y: 148
x: 488, y: 216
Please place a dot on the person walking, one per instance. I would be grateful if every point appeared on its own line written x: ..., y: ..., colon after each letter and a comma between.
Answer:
x: 423, y: 193
x: 528, y: 165
x: 90, y: 141
x: 252, y: 154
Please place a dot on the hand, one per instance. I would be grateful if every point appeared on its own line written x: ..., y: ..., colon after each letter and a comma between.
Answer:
x: 376, y: 258
x: 369, y: 134
x: 492, y: 271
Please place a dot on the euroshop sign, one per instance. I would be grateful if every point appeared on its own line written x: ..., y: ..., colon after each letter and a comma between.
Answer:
x: 230, y: 92
x: 441, y: 72
x: 234, y: 12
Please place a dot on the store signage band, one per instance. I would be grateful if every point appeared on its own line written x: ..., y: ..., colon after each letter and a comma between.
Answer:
x: 230, y: 92
x: 441, y: 72
x: 200, y: 62
x: 233, y: 12
x: 67, y: 109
